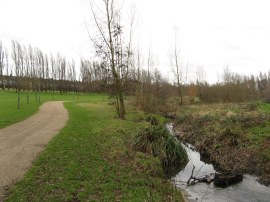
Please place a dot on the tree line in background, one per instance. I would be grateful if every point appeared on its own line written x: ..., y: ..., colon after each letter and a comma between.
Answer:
x: 235, y: 88
x: 29, y: 69
x: 118, y: 71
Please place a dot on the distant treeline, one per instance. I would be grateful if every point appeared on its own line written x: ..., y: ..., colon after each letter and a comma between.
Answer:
x: 236, y: 88
x: 29, y: 69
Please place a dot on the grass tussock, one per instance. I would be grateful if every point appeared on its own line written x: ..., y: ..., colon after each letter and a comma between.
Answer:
x: 157, y: 141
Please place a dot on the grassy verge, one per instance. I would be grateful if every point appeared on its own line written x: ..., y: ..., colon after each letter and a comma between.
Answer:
x: 10, y: 114
x: 91, y: 160
x: 235, y: 136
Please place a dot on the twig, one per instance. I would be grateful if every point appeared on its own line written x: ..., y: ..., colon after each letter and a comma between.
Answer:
x: 191, y: 176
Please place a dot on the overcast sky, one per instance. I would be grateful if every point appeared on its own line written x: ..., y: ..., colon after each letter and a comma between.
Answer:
x: 212, y: 33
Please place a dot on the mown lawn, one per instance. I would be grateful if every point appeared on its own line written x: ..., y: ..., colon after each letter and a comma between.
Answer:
x: 10, y: 114
x: 91, y: 160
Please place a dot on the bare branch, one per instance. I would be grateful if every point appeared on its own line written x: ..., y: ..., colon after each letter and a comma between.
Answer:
x: 97, y: 24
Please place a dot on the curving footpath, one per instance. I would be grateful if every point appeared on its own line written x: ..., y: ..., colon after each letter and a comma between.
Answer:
x: 21, y: 143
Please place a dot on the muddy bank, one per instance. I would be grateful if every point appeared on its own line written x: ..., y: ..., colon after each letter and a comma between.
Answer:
x: 248, y: 189
x: 227, y: 137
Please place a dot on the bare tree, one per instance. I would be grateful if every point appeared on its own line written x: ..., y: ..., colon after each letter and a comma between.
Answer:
x: 63, y: 73
x: 150, y: 64
x: 16, y: 56
x: 200, y: 79
x: 21, y: 60
x: 26, y: 62
x: 53, y: 72
x: 111, y: 48
x: 177, y: 67
x: 39, y: 68
x: 31, y: 58
x: 262, y: 83
x: 47, y: 72
x: 16, y: 60
x: 7, y: 70
x: 73, y: 76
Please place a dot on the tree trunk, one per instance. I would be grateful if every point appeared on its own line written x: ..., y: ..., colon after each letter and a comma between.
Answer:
x: 180, y: 92
x: 2, y: 80
x: 121, y: 104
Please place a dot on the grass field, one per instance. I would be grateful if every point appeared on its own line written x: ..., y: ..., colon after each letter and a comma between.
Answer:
x: 9, y: 112
x: 91, y: 160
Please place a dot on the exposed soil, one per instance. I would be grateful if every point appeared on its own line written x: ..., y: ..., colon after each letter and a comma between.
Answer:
x: 21, y: 143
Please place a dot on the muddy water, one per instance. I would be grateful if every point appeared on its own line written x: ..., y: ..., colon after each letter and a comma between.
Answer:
x: 247, y: 190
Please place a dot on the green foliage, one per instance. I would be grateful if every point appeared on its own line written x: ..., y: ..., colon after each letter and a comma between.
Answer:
x: 175, y: 158
x: 157, y: 141
x: 150, y: 140
x: 264, y: 106
x: 153, y: 120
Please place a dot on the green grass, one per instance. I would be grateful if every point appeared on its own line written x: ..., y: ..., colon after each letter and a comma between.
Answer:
x: 260, y: 136
x: 10, y: 114
x: 264, y: 106
x: 91, y: 160
x: 259, y: 133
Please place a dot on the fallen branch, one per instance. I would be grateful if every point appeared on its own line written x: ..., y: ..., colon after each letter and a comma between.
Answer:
x: 206, y: 178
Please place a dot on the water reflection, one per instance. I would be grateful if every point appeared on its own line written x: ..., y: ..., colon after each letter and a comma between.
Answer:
x: 247, y: 190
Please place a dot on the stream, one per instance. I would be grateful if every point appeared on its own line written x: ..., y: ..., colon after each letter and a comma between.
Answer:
x: 247, y: 190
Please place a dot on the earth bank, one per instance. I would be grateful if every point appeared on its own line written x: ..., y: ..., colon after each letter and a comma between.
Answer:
x: 234, y: 137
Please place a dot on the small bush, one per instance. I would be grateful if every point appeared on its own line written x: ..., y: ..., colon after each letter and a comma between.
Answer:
x: 157, y: 141
x: 149, y: 140
x: 175, y: 157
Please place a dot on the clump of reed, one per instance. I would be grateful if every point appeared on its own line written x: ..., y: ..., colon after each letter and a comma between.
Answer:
x: 157, y: 141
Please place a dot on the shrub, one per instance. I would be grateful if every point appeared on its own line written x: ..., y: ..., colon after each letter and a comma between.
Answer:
x: 157, y: 141
x: 175, y: 157
x: 149, y: 140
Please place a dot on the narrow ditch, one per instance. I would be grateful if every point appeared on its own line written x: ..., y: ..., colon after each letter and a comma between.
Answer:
x: 246, y: 190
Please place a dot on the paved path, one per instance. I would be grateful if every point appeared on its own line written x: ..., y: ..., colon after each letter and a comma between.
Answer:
x: 21, y: 143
